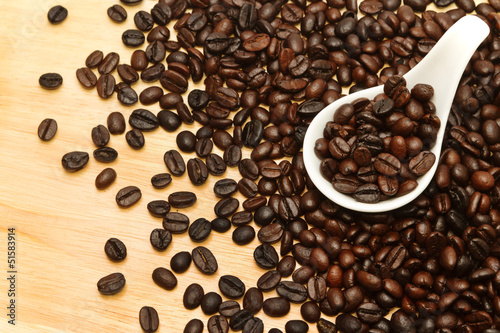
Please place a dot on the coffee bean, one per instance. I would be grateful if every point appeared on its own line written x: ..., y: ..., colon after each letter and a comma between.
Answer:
x: 238, y: 320
x: 111, y: 284
x: 148, y: 318
x: 50, y: 81
x: 175, y: 222
x: 133, y: 38
x: 160, y: 239
x: 217, y: 324
x: 174, y: 162
x: 57, y: 14
x: 204, y: 260
x: 117, y: 13
x: 266, y: 256
x: 186, y: 141
x: 180, y: 262
x: 47, y: 129
x: 116, y: 123
x: 221, y: 224
x: 115, y: 249
x: 152, y: 73
x: 292, y: 291
x: 105, y: 154
x: 231, y: 286
x: 225, y: 187
x: 158, y: 208
x: 106, y: 86
x: 164, y: 278
x: 128, y: 196
x: 174, y: 82
x: 182, y: 199
x: 276, y: 307
x: 210, y: 303
x: 229, y: 308
x: 194, y: 326
x: 143, y: 20
x: 199, y: 230
x: 215, y: 164
x: 86, y: 77
x: 143, y: 120
x: 105, y: 178
x: 161, y: 180
x: 192, y: 296
x: 169, y: 120
x: 226, y: 207
x: 197, y: 171
x: 243, y: 235
x: 75, y: 161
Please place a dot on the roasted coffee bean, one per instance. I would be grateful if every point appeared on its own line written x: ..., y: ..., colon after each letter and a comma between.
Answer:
x: 232, y: 155
x: 229, y: 308
x: 105, y: 86
x: 143, y: 20
x: 248, y: 169
x: 182, y: 199
x: 221, y: 224
x: 180, y: 262
x: 226, y: 207
x: 243, y: 235
x: 105, y: 154
x: 203, y: 147
x: 192, y: 296
x: 47, y: 129
x: 174, y: 162
x: 94, y: 59
x: 422, y: 163
x: 239, y: 319
x: 254, y: 325
x: 292, y: 291
x: 225, y: 187
x: 164, y: 278
x: 169, y: 120
x: 151, y: 95
x: 125, y: 94
x: 148, y: 318
x: 108, y: 63
x: 348, y: 323
x: 50, y: 81
x: 204, y: 260
x: 252, y: 133
x: 160, y: 239
x: 231, y: 286
x: 253, y: 300
x: 115, y: 249
x: 86, y: 77
x: 143, y: 120
x: 210, y: 303
x: 152, y: 73
x: 198, y: 99
x: 269, y: 280
x: 158, y: 207
x: 111, y: 284
x: 194, y: 326
x: 175, y: 222
x: 57, y: 14
x: 116, y: 123
x: 75, y: 161
x: 276, y: 307
x: 199, y: 230
x: 105, y: 178
x: 100, y: 135
x: 215, y: 164
x: 197, y: 171
x: 266, y: 256
x: 217, y: 324
x: 135, y: 138
x: 174, y: 82
x: 161, y: 180
x: 117, y: 13
x: 128, y: 196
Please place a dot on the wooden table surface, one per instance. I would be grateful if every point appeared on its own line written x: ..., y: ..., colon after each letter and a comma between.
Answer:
x: 61, y: 220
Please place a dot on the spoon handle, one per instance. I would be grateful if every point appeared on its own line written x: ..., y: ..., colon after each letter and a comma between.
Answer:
x: 443, y: 66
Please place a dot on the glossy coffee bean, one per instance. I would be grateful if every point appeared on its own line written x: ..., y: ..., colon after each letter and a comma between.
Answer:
x: 164, y: 278
x: 115, y: 249
x: 111, y: 284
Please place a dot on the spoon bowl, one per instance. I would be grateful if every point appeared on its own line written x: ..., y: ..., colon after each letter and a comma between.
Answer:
x: 441, y: 68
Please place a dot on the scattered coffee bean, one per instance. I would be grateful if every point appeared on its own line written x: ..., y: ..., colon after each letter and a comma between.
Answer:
x: 50, y: 80
x: 111, y: 284
x: 57, y: 14
x: 148, y: 318
x: 105, y: 178
x: 47, y: 129
x: 164, y: 278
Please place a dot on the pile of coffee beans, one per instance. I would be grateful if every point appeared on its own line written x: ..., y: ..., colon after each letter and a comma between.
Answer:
x: 268, y: 68
x: 376, y: 149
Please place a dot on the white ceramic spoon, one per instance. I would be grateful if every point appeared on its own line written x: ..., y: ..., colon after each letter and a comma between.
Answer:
x: 442, y: 68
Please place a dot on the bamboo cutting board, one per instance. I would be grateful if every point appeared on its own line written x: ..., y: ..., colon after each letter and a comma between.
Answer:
x: 61, y: 220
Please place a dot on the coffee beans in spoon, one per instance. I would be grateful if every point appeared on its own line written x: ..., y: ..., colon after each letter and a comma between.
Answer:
x: 376, y: 149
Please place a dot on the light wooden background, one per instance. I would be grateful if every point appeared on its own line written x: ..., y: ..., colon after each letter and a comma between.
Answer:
x: 61, y: 220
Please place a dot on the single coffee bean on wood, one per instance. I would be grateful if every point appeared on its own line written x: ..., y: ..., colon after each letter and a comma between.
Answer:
x: 128, y: 196
x: 115, y: 249
x: 164, y: 278
x: 50, y: 81
x: 105, y: 178
x: 75, y: 161
x: 47, y: 129
x: 57, y: 14
x: 148, y: 318
x: 111, y: 284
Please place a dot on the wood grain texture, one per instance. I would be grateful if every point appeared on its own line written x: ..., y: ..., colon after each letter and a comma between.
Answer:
x: 62, y: 221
